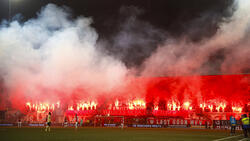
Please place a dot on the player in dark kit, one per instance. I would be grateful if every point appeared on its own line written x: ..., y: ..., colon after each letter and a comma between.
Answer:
x: 233, y: 125
x: 48, y: 123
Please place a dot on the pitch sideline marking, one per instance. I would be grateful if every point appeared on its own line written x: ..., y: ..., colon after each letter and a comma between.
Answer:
x: 226, y: 138
x: 244, y: 139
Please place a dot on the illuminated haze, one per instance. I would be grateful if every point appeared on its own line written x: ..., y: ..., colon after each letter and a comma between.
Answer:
x: 57, y: 56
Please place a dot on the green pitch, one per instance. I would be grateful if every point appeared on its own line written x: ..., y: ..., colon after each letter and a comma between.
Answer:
x: 112, y: 134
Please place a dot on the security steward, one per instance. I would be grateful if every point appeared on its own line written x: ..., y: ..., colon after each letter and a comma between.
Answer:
x: 245, y: 125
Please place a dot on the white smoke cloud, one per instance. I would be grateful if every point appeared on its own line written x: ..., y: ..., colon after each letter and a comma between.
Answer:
x: 55, y: 53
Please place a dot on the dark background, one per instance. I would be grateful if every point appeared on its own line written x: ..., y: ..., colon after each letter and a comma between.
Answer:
x: 170, y: 15
x: 196, y: 19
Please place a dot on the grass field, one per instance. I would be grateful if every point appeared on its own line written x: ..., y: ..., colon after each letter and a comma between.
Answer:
x: 112, y: 134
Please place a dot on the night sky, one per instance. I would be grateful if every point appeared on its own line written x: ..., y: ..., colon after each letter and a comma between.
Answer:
x: 173, y: 18
x: 170, y: 15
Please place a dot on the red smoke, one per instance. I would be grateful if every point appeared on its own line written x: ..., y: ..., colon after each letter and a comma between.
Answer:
x: 232, y: 90
x: 160, y: 96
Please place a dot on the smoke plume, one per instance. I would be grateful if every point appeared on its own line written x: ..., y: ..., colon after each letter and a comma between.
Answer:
x: 227, y: 52
x: 53, y: 54
x: 57, y: 56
